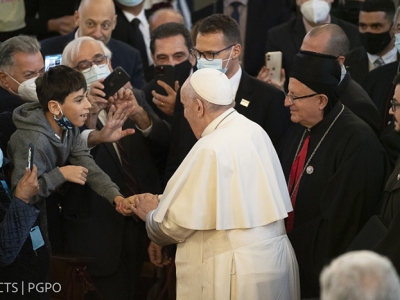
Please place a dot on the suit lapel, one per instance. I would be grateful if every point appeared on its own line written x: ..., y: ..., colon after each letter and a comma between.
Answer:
x: 243, y: 94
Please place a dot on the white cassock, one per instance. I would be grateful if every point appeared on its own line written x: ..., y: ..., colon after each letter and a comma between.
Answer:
x: 225, y: 206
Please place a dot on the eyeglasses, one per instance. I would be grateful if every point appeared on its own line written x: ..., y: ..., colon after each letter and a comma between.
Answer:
x: 208, y: 55
x: 394, y: 104
x: 98, y: 59
x: 292, y: 99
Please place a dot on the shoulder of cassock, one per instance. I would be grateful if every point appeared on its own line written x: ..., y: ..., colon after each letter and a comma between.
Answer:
x: 232, y: 178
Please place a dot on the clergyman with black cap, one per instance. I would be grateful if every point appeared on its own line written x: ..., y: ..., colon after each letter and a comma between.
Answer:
x: 334, y: 167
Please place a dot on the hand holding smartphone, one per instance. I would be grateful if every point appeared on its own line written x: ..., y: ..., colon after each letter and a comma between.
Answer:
x: 113, y: 82
x: 273, y: 61
x: 165, y: 73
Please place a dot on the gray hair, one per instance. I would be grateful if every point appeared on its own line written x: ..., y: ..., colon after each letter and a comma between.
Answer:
x: 10, y: 47
x: 360, y: 275
x: 72, y: 49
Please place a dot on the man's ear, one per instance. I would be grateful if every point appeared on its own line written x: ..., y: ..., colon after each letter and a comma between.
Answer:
x: 114, y: 22
x: 3, y: 80
x: 76, y: 17
x: 199, y: 108
x: 54, y: 107
x: 236, y: 51
x: 323, y: 101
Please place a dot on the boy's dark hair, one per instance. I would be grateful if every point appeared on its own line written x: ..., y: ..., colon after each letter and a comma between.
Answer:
x: 386, y: 6
x: 167, y: 30
x: 57, y: 83
x: 221, y: 23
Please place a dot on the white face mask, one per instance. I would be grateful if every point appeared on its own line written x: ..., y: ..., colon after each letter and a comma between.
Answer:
x: 397, y: 42
x: 1, y: 158
x: 95, y: 73
x: 129, y: 3
x: 315, y: 11
x: 216, y: 63
x: 26, y: 89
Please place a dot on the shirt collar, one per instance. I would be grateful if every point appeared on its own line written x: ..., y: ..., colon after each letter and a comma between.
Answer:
x: 141, y: 16
x: 389, y: 57
x: 235, y: 80
x: 214, y: 123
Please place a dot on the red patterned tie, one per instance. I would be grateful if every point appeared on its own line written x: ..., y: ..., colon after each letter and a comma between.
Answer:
x: 132, y: 186
x: 295, y: 173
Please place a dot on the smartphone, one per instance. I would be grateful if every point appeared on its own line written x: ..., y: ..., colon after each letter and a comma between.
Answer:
x: 31, y: 150
x: 273, y: 61
x: 164, y: 73
x: 113, y: 82
x: 51, y: 61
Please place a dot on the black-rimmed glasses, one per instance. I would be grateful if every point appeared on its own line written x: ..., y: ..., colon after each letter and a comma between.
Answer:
x: 208, y: 55
x: 292, y: 99
x: 98, y: 59
x: 394, y: 104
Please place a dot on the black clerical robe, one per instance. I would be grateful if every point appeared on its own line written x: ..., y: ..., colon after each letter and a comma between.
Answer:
x: 338, y: 196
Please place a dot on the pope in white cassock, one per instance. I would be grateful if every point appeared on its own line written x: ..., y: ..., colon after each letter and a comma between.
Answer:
x: 225, y: 204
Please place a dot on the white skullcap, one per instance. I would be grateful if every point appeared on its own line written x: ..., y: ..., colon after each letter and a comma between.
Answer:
x: 212, y: 85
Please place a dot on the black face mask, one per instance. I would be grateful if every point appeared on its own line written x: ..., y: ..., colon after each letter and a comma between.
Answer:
x: 182, y: 71
x: 375, y: 42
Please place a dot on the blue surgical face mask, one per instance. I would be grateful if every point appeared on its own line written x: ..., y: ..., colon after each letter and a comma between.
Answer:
x: 216, y: 63
x: 95, y: 73
x: 63, y: 122
x: 129, y: 3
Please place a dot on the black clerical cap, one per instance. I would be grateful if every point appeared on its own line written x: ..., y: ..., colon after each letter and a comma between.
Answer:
x: 319, y: 72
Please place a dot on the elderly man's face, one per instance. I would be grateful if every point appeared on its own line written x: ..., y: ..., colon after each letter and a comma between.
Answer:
x: 170, y: 51
x: 306, y: 111
x: 26, y: 66
x: 396, y: 113
x: 88, y: 51
x: 97, y: 20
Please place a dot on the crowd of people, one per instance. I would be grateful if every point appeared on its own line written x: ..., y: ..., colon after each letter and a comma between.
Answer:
x: 266, y: 186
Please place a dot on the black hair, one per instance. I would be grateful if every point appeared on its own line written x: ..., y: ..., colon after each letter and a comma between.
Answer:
x: 167, y: 30
x: 57, y: 83
x: 221, y: 23
x: 386, y: 6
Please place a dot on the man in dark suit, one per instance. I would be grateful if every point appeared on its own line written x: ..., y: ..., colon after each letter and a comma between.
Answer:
x: 330, y: 39
x: 218, y: 42
x: 97, y: 18
x: 133, y: 28
x: 91, y: 226
x: 288, y: 37
x: 261, y: 16
x: 377, y: 37
x: 170, y: 45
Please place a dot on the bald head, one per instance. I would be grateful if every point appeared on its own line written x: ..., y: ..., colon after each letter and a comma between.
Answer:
x: 163, y: 16
x: 97, y: 19
x: 326, y: 39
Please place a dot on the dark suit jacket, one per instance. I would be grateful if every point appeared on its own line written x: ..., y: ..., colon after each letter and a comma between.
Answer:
x: 357, y: 100
x: 8, y: 101
x: 379, y: 86
x: 289, y: 36
x: 265, y: 108
x: 122, y: 55
x: 261, y: 16
x: 91, y: 225
x: 357, y: 63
